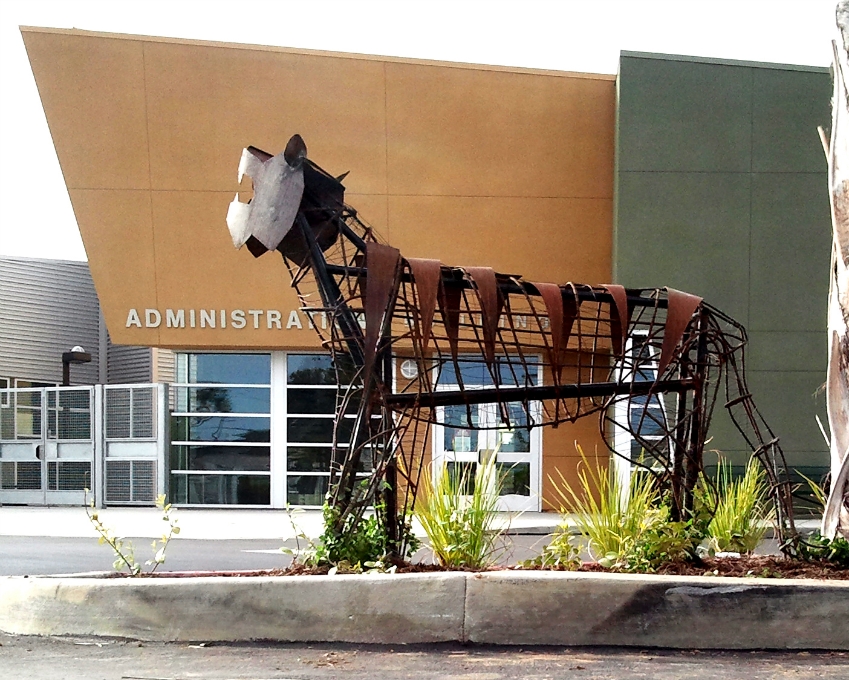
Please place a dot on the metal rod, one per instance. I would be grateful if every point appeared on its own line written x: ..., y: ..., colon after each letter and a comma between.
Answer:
x: 540, y: 393
x: 454, y: 277
x: 331, y: 295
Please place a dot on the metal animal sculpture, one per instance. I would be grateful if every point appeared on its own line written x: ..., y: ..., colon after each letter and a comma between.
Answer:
x: 549, y: 353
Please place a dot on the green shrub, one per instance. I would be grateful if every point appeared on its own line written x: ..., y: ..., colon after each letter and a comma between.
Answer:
x: 742, y: 509
x: 359, y: 541
x: 818, y: 547
x: 460, y: 527
x: 361, y: 545
x: 626, y: 532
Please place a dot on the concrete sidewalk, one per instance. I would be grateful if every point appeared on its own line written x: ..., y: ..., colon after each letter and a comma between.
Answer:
x: 206, y: 524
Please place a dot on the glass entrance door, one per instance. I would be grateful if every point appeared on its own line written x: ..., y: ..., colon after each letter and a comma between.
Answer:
x: 516, y: 449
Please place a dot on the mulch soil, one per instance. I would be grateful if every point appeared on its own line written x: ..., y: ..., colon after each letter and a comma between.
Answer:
x: 763, y: 566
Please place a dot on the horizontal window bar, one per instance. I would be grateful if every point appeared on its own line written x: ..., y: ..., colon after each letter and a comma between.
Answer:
x: 184, y: 442
x: 203, y: 384
x: 222, y: 473
x: 217, y: 414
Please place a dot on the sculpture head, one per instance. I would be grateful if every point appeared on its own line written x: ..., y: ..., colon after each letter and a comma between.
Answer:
x: 288, y: 189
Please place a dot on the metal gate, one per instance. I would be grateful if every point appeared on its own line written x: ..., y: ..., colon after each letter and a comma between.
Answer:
x: 134, y: 444
x: 55, y: 442
x: 46, y: 445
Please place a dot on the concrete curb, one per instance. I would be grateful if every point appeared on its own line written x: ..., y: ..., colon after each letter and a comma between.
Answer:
x: 506, y: 607
x: 407, y: 608
x: 680, y: 612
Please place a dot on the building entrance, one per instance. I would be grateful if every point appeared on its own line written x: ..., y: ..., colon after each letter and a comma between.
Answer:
x: 517, y: 449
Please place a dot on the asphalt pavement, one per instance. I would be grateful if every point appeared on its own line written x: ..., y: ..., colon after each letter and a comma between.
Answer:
x: 79, y: 658
x: 39, y: 541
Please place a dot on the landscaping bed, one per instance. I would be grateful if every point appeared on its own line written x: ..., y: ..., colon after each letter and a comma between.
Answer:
x: 746, y: 566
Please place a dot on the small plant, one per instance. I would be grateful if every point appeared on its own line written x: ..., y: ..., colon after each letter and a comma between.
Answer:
x: 361, y: 546
x: 561, y: 553
x: 742, y: 510
x: 627, y: 532
x: 818, y: 547
x: 360, y: 541
x: 460, y: 520
x: 124, y: 550
x: 819, y: 495
x: 308, y: 554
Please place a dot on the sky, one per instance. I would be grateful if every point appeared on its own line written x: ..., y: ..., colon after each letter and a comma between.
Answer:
x: 37, y: 220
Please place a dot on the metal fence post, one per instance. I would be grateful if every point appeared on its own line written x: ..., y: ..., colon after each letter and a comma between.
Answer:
x: 98, y: 440
x: 163, y: 437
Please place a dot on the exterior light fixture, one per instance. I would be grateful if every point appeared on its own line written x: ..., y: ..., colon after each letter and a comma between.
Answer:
x: 77, y: 355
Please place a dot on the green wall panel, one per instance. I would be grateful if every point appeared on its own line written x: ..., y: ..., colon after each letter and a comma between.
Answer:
x: 790, y: 402
x: 791, y: 350
x: 721, y: 191
x: 791, y: 245
x: 787, y: 107
x: 674, y: 232
x: 694, y: 117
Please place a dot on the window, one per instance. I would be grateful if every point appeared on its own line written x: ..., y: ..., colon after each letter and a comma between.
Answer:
x: 311, y: 397
x: 221, y: 430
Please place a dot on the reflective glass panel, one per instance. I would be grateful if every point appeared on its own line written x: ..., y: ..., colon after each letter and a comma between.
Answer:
x: 306, y: 490
x: 516, y: 478
x: 305, y: 400
x: 474, y: 372
x: 310, y: 369
x: 462, y: 476
x: 518, y: 439
x: 251, y: 369
x: 647, y: 421
x: 221, y: 489
x: 316, y: 430
x: 308, y: 458
x: 252, y: 458
x: 220, y: 429
x: 318, y: 459
x: 317, y: 369
x: 223, y: 400
x: 459, y: 438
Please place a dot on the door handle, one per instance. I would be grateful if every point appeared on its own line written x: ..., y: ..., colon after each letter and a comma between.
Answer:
x: 38, y: 452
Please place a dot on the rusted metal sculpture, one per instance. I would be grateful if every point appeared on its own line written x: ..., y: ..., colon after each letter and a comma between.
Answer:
x: 552, y: 353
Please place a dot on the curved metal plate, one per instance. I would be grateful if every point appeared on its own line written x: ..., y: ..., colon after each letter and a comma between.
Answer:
x: 426, y: 275
x: 679, y: 313
x: 490, y: 302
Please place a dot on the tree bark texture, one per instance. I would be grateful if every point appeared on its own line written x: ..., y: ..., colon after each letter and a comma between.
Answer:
x: 836, y: 514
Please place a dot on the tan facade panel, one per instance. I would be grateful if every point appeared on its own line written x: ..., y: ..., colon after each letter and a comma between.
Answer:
x: 117, y: 231
x: 206, y: 103
x: 561, y: 455
x: 473, y: 165
x: 462, y: 132
x: 92, y: 88
x: 542, y: 239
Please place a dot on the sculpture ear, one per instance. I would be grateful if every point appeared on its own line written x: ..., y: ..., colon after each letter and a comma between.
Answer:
x: 295, y: 152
